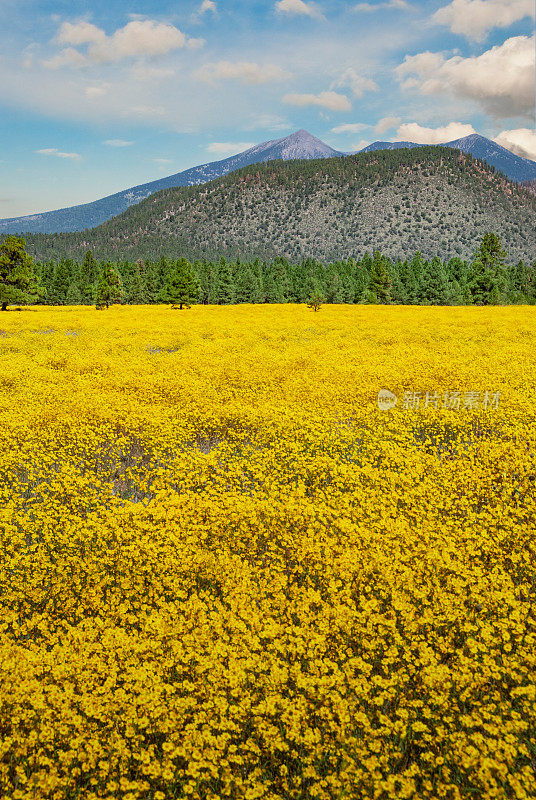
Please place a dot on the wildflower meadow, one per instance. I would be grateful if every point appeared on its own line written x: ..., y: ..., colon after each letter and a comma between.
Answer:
x: 228, y: 571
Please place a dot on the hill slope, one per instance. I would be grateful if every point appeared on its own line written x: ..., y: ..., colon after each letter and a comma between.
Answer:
x: 435, y: 200
x: 514, y: 167
x: 300, y: 145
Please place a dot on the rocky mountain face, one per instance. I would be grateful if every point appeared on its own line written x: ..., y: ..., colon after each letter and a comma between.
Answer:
x: 514, y: 167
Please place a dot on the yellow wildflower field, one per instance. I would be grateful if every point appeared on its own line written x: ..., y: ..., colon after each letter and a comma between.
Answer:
x: 227, y: 573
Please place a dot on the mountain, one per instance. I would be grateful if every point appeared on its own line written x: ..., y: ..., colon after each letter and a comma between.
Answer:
x: 514, y: 167
x: 300, y: 145
x: 436, y: 200
x: 371, y: 148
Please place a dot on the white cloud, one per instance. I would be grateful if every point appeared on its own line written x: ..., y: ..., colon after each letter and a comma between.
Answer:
x: 413, y: 132
x: 331, y: 100
x: 401, y: 5
x: 68, y: 57
x: 501, y: 79
x: 117, y: 143
x: 243, y: 71
x: 476, y: 18
x: 229, y: 148
x: 386, y: 123
x: 77, y: 33
x: 271, y: 122
x: 207, y: 5
x: 359, y: 146
x: 147, y: 111
x: 351, y: 127
x: 96, y: 91
x: 53, y: 151
x: 137, y: 38
x: 358, y: 84
x: 521, y: 141
x: 298, y: 7
x: 146, y: 72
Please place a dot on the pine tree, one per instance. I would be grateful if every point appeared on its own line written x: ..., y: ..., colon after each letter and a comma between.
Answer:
x: 136, y: 291
x: 226, y: 285
x: 108, y: 289
x: 487, y: 275
x: 315, y: 300
x: 74, y: 295
x: 18, y: 282
x: 62, y: 279
x: 436, y: 290
x: 379, y: 282
x: 182, y: 286
x: 88, y: 275
x: 248, y: 289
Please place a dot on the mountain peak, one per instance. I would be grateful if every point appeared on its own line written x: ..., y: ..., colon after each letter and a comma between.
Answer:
x: 298, y: 145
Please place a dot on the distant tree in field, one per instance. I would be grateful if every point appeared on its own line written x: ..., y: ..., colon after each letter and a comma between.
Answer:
x: 18, y: 282
x: 108, y: 289
x: 182, y: 286
x: 315, y: 300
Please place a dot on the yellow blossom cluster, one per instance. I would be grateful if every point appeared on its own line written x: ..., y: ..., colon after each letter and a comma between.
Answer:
x: 226, y: 573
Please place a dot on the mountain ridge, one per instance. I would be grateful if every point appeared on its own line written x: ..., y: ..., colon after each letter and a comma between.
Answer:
x: 429, y: 199
x: 300, y: 144
x: 513, y: 166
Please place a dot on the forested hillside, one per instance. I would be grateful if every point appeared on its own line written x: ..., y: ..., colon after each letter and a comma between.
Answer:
x: 434, y: 200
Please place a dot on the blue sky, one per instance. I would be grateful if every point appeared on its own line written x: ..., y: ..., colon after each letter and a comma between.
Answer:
x: 96, y: 101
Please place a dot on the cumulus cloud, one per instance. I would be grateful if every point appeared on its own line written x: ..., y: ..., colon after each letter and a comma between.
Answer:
x: 386, y: 123
x: 53, y: 151
x: 136, y: 39
x: 299, y: 7
x: 501, y: 79
x: 117, y: 143
x: 521, y: 141
x: 331, y: 100
x: 350, y: 127
x: 413, y: 132
x: 401, y: 5
x: 476, y: 18
x: 243, y: 71
x: 68, y: 57
x: 358, y: 84
x: 229, y: 148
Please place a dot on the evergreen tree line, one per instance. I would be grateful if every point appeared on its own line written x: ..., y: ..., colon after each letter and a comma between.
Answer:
x: 486, y: 279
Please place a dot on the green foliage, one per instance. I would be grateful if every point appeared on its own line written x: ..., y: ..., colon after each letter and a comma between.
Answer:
x: 182, y: 286
x: 315, y: 300
x: 18, y: 282
x: 379, y: 284
x: 108, y: 289
x: 372, y: 279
